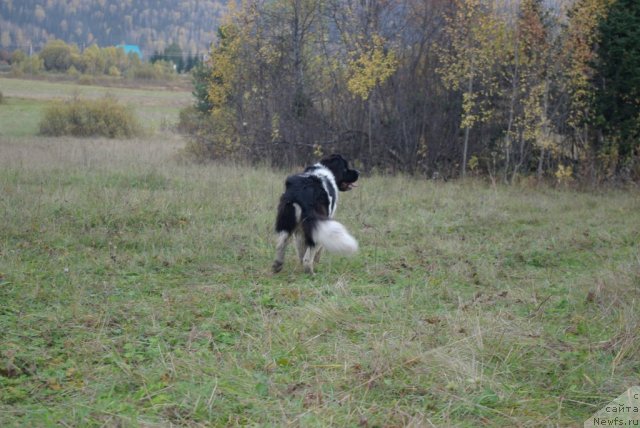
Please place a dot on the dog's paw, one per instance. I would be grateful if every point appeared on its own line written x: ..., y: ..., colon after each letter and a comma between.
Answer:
x: 277, y: 266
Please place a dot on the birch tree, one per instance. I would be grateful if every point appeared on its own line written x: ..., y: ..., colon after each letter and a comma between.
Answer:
x: 476, y: 40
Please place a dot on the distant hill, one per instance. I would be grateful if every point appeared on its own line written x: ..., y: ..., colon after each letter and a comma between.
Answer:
x: 151, y: 24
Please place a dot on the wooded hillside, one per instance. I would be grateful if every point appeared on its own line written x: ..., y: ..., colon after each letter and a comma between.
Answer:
x: 151, y: 24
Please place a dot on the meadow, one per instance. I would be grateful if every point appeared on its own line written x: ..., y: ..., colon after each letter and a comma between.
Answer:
x: 135, y: 290
x: 25, y: 100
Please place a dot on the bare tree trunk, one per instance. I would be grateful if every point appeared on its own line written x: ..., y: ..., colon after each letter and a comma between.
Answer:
x: 516, y: 168
x: 540, y: 163
x: 464, y: 152
x: 512, y: 101
x: 466, y: 132
x: 297, y: 33
x: 369, y: 130
x: 546, y: 131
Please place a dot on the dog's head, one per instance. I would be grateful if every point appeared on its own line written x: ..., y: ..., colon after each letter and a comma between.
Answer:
x: 339, y: 166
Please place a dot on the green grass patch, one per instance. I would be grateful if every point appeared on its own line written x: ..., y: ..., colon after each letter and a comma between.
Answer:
x: 20, y: 117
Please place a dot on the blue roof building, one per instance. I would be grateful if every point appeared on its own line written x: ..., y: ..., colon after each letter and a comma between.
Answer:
x: 131, y: 48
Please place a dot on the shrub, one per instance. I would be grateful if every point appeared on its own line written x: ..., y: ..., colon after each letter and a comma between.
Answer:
x: 28, y: 65
x: 200, y: 129
x: 85, y: 118
x: 18, y: 56
x: 141, y: 72
x: 113, y: 71
x: 86, y: 79
x: 73, y: 72
x: 191, y: 120
x: 209, y: 137
x: 57, y: 55
x: 148, y: 71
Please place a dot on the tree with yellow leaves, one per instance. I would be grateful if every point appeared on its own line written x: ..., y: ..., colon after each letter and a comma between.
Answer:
x: 476, y: 46
x: 532, y: 76
x: 369, y: 69
x: 580, y: 53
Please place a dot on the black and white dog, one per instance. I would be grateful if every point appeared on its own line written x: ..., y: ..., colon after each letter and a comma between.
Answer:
x: 306, y: 211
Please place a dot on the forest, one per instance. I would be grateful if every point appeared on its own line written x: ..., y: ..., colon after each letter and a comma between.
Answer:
x: 153, y: 25
x: 434, y: 87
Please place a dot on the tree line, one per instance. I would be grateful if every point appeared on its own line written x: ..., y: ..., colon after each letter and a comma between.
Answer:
x: 60, y: 57
x: 433, y: 87
x: 151, y: 24
x: 174, y: 54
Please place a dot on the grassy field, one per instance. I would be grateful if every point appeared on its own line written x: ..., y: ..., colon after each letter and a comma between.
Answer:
x: 135, y: 290
x: 156, y: 107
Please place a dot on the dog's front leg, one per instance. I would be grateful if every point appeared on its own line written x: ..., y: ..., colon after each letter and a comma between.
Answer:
x: 308, y: 259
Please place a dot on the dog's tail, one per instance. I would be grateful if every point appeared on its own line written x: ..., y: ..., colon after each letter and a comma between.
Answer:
x: 334, y: 237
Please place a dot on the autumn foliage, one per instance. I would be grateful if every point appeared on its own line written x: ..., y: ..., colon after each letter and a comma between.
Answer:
x: 440, y: 88
x: 104, y: 117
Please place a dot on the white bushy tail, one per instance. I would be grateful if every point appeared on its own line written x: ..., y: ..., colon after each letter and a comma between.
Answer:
x: 334, y: 237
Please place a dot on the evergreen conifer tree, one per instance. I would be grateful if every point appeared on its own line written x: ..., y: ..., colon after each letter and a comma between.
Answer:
x: 618, y: 66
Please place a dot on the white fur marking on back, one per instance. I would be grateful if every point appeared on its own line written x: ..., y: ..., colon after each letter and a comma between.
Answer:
x: 325, y: 175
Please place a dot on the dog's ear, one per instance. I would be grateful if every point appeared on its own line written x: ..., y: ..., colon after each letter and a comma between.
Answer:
x: 335, y: 162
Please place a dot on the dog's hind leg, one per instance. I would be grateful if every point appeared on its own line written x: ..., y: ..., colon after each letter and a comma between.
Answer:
x: 316, y: 259
x: 309, y: 258
x: 301, y: 245
x: 281, y: 246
